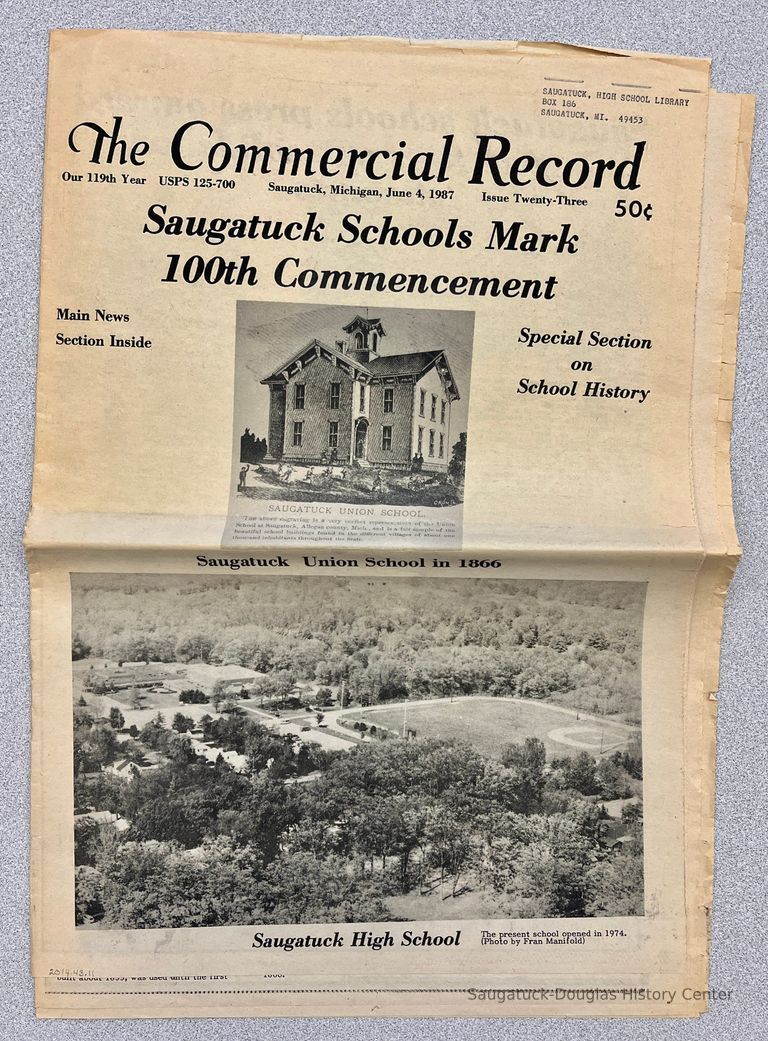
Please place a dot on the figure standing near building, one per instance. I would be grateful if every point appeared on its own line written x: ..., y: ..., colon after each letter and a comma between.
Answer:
x: 243, y: 475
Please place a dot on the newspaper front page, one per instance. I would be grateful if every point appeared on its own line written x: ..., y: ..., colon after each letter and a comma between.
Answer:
x: 381, y: 525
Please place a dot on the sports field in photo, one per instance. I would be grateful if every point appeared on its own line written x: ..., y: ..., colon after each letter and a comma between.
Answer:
x: 490, y: 723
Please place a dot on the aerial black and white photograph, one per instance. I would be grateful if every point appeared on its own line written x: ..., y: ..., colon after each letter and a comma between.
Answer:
x: 317, y: 749
x: 350, y: 405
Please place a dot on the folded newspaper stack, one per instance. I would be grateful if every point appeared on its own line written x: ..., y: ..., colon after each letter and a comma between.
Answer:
x: 381, y: 525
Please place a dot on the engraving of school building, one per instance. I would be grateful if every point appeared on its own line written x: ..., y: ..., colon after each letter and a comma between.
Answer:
x: 353, y: 403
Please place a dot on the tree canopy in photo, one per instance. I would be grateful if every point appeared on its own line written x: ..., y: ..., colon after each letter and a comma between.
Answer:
x: 577, y: 644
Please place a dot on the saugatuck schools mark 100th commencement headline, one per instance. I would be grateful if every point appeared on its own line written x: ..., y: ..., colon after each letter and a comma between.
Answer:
x: 108, y: 147
x: 381, y: 525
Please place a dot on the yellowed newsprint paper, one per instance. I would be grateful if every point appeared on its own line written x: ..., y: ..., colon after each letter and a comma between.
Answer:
x: 381, y: 526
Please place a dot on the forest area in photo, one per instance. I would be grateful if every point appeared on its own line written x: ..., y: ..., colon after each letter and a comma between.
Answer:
x: 316, y: 750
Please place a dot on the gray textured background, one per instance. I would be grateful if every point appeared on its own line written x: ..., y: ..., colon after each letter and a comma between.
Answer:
x: 734, y: 34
